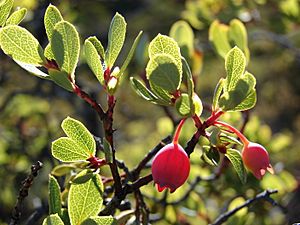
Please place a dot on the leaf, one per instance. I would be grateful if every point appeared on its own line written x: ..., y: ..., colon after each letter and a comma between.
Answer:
x: 53, y: 220
x: 99, y: 220
x: 5, y: 8
x: 184, y: 36
x: 51, y: 18
x: 97, y: 44
x: 61, y: 78
x: 235, y: 63
x: 16, y: 17
x: 68, y: 150
x: 21, y: 45
x: 217, y: 94
x: 107, y: 151
x: 236, y: 160
x: 197, y: 105
x: 93, y: 60
x: 218, y: 36
x: 183, y: 105
x: 238, y: 34
x: 33, y: 70
x: 80, y: 134
x: 62, y: 169
x: 54, y: 196
x: 65, y: 217
x: 130, y: 54
x: 210, y: 155
x: 163, y: 96
x: 189, y: 77
x: 163, y: 44
x: 141, y: 90
x: 116, y: 37
x: 163, y: 72
x: 48, y: 53
x: 65, y: 46
x: 85, y: 199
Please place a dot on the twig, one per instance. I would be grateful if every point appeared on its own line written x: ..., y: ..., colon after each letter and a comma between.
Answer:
x: 265, y: 195
x: 23, y: 192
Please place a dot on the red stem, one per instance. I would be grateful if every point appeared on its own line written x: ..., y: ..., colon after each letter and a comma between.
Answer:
x: 233, y: 129
x: 177, y: 132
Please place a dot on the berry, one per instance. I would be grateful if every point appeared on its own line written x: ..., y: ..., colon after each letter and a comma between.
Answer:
x: 256, y: 159
x: 170, y: 167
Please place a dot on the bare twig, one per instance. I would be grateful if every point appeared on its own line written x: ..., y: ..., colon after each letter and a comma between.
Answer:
x: 23, y: 193
x: 265, y: 195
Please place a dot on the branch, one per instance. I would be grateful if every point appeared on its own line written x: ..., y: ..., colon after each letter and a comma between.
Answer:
x: 23, y: 192
x: 265, y: 195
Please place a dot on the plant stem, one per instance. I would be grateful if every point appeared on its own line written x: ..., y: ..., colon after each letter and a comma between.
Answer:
x: 233, y: 129
x: 177, y: 132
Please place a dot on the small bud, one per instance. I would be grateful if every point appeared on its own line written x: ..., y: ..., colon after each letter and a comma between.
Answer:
x: 256, y: 159
x: 170, y: 167
x: 112, y: 85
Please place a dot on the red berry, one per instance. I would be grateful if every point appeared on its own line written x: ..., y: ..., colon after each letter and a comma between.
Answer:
x: 256, y: 159
x: 170, y: 167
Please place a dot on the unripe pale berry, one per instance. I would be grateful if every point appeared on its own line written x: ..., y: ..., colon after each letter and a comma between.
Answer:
x: 170, y: 167
x: 256, y: 159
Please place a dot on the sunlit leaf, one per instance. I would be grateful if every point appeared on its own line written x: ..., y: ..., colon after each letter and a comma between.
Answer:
x: 99, y: 220
x: 53, y: 220
x: 236, y: 160
x: 16, y: 17
x: 5, y: 7
x: 54, y: 196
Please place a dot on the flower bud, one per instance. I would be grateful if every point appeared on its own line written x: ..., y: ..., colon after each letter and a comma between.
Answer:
x: 256, y: 159
x: 170, y: 167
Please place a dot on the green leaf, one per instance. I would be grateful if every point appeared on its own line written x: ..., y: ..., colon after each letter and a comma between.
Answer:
x: 65, y: 217
x: 235, y: 63
x: 184, y: 35
x: 21, y: 45
x: 93, y: 60
x: 197, y: 105
x: 236, y: 160
x: 183, y: 105
x: 107, y: 151
x: 5, y: 8
x: 163, y: 72
x: 61, y: 78
x: 163, y: 96
x: 130, y: 55
x: 33, y: 70
x: 54, y: 196
x: 65, y: 46
x: 62, y: 169
x: 16, y: 17
x: 210, y: 155
x: 218, y: 36
x: 53, y: 220
x: 99, y: 220
x: 163, y: 44
x: 97, y: 44
x: 189, y: 77
x: 141, y: 90
x: 217, y: 94
x: 85, y: 199
x: 51, y: 18
x: 238, y: 34
x: 48, y: 53
x: 116, y: 37
x: 79, y: 133
x: 68, y: 150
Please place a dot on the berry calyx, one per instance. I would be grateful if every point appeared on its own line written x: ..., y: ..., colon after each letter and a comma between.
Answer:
x: 255, y: 156
x: 171, y: 165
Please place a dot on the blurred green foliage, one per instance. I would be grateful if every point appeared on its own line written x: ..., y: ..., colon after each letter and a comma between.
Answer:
x: 31, y: 110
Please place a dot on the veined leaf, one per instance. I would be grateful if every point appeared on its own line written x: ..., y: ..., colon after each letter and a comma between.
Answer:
x: 80, y: 134
x: 93, y: 60
x: 53, y: 220
x: 99, y: 220
x: 51, y: 18
x: 61, y: 78
x: 163, y: 44
x: 218, y: 36
x: 16, y: 17
x: 54, y: 196
x: 65, y: 46
x: 235, y: 63
x: 210, y: 155
x: 217, y: 94
x: 163, y: 95
x: 116, y: 37
x: 141, y: 90
x: 67, y: 150
x: 184, y: 35
x: 5, y: 8
x: 183, y: 105
x: 236, y: 160
x: 163, y: 72
x: 130, y: 54
x: 97, y: 44
x: 85, y: 199
x: 21, y: 45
